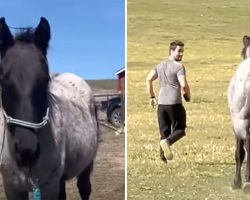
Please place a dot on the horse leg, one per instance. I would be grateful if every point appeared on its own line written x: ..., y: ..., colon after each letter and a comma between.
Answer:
x: 51, y: 189
x: 246, y: 186
x: 239, y: 157
x: 15, y: 196
x: 12, y: 193
x: 62, y: 192
x: 83, y: 182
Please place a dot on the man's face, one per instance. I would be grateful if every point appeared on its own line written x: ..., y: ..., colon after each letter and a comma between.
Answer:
x: 177, y: 53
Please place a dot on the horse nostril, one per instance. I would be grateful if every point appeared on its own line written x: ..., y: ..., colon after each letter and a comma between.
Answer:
x: 26, y: 157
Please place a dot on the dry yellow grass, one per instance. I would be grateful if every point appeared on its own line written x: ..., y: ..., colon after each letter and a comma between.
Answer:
x: 203, y: 166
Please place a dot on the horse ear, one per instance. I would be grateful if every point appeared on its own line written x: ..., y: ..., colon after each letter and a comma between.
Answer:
x: 6, y: 38
x: 42, y: 35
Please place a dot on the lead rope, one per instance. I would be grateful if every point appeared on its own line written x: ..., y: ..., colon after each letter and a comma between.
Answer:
x: 1, y: 153
x: 35, y: 193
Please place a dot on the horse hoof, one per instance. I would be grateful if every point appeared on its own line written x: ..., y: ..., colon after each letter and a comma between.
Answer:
x: 246, y: 187
x: 236, y: 185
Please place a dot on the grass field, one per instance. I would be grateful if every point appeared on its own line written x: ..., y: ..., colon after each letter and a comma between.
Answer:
x: 105, y: 84
x: 204, y: 165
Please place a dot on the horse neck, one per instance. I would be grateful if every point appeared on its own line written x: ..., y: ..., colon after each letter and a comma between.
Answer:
x: 247, y: 53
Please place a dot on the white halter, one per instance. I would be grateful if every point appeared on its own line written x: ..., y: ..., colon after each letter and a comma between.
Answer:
x: 10, y: 120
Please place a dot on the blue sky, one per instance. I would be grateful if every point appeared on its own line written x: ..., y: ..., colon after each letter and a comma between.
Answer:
x: 87, y: 36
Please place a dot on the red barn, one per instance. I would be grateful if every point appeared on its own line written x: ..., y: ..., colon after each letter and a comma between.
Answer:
x: 121, y: 80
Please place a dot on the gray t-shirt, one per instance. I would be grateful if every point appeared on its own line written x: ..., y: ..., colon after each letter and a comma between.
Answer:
x: 167, y: 72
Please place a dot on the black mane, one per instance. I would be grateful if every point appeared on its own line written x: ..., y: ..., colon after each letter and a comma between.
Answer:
x: 25, y: 35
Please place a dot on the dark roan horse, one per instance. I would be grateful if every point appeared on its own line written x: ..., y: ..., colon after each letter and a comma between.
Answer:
x: 239, y: 104
x: 48, y: 126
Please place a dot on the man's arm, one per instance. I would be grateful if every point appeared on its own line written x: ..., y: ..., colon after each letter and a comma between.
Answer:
x: 185, y: 91
x: 152, y: 75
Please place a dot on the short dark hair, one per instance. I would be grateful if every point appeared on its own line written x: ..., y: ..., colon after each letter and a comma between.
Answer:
x: 174, y: 44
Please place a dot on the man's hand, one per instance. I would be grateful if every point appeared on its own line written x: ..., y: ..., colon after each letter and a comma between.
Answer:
x: 152, y: 102
x: 186, y: 97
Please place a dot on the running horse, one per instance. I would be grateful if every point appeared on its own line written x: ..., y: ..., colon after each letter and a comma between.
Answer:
x: 239, y: 104
x: 49, y: 130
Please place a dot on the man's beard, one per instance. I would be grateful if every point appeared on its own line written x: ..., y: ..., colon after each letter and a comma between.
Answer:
x: 178, y: 59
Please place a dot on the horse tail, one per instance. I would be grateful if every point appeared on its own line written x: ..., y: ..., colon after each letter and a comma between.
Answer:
x: 94, y: 111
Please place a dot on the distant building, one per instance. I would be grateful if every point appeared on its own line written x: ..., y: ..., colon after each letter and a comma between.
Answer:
x: 121, y: 80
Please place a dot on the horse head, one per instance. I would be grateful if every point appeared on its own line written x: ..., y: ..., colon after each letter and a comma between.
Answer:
x: 246, y: 47
x: 24, y: 79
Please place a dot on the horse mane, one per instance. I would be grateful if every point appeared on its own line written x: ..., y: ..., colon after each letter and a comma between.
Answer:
x: 25, y: 35
x: 29, y: 36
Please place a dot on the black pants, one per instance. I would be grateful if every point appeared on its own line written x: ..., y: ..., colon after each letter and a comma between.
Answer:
x: 172, y: 122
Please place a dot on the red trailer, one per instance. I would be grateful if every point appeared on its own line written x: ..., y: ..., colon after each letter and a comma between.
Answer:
x: 115, y: 110
x: 121, y: 80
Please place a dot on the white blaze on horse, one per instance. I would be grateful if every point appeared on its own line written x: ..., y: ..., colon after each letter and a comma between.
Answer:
x: 239, y: 104
x: 48, y: 126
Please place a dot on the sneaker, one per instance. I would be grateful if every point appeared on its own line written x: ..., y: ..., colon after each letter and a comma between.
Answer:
x: 162, y: 154
x: 166, y: 149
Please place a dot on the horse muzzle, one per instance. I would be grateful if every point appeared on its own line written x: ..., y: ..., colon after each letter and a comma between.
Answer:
x: 26, y: 157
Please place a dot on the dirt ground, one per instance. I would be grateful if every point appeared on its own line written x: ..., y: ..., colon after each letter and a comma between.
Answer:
x: 108, y: 177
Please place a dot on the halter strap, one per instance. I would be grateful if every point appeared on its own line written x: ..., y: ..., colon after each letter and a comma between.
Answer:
x: 10, y: 120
